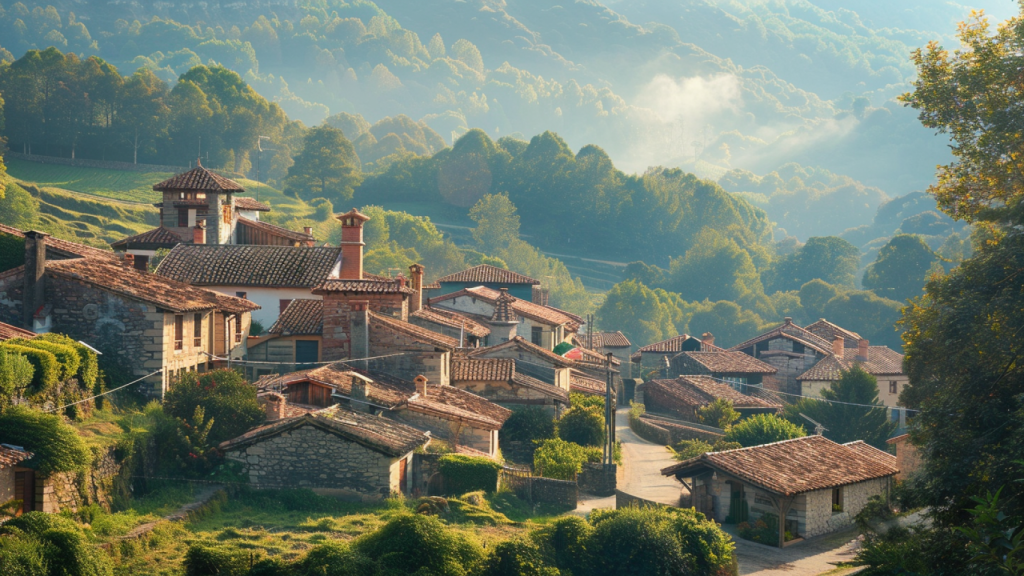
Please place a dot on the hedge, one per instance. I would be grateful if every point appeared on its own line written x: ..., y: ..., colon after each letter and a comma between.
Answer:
x: 468, y: 473
x: 56, y: 446
x: 15, y: 372
x: 563, y: 460
x: 89, y: 366
x: 67, y: 356
x: 46, y: 369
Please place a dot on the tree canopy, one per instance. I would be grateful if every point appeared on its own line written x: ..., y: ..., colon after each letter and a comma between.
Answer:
x: 845, y: 422
x: 326, y: 167
x: 900, y: 270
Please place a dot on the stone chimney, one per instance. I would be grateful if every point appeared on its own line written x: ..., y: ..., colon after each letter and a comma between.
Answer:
x: 352, y: 244
x: 708, y: 339
x: 128, y: 260
x: 34, y: 294
x: 862, y: 350
x: 421, y: 385
x: 358, y: 395
x: 416, y: 273
x: 199, y: 233
x: 838, y: 344
x: 401, y: 280
x: 275, y: 406
x: 308, y: 230
x: 359, y: 332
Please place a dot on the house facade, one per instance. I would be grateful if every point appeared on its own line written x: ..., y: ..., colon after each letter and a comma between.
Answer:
x: 792, y: 350
x: 532, y: 360
x: 497, y: 380
x: 683, y: 396
x: 294, y: 342
x: 885, y: 364
x: 518, y: 285
x: 737, y: 368
x: 654, y: 357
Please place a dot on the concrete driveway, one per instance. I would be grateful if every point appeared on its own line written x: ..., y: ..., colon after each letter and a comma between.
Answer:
x: 811, y: 558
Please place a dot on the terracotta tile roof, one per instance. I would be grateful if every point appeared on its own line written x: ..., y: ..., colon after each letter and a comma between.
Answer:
x: 581, y: 382
x: 339, y: 377
x: 729, y: 362
x: 11, y: 455
x: 588, y: 356
x: 291, y: 409
x: 868, y: 451
x: 451, y: 319
x: 487, y: 274
x: 882, y: 361
x: 7, y: 332
x: 896, y: 439
x: 302, y: 317
x: 247, y: 265
x: 605, y: 340
x: 526, y: 347
x: 250, y: 204
x: 432, y: 286
x: 375, y: 432
x: 369, y: 284
x: 159, y: 235
x: 790, y: 331
x: 63, y: 248
x: 450, y: 402
x: 199, y: 178
x: 175, y: 296
x: 504, y: 310
x: 674, y: 344
x: 418, y: 333
x: 275, y: 230
x: 545, y: 314
x: 699, y: 391
x: 549, y: 390
x: 464, y: 369
x: 791, y: 467
x: 828, y: 331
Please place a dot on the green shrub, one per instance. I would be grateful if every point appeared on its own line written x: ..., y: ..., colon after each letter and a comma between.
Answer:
x: 562, y: 460
x: 527, y: 425
x: 468, y: 473
x: 516, y: 557
x: 332, y: 559
x: 22, y: 556
x: 582, y: 425
x: 88, y: 370
x: 15, y: 373
x: 577, y: 399
x: 719, y: 414
x: 67, y: 356
x: 55, y: 542
x: 45, y: 368
x: 414, y: 543
x: 563, y: 542
x: 763, y: 429
x: 226, y: 398
x: 56, y: 446
x: 686, y: 449
x: 208, y: 559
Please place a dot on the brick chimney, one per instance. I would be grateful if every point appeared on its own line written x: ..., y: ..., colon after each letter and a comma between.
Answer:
x: 128, y: 260
x: 308, y: 230
x: 352, y: 244
x: 359, y: 331
x: 421, y: 385
x: 862, y: 350
x: 708, y: 339
x: 838, y: 344
x: 416, y: 273
x: 34, y: 295
x: 199, y: 233
x: 274, y: 406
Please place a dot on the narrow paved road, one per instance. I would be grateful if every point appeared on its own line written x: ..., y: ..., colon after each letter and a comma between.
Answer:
x: 643, y: 462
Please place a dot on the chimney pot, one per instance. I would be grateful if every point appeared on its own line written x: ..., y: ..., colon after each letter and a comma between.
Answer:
x: 128, y: 260
x: 275, y: 406
x: 308, y: 230
x: 862, y: 350
x: 421, y: 385
x: 788, y: 320
x: 401, y: 281
x: 359, y: 386
x: 352, y: 244
x: 838, y: 345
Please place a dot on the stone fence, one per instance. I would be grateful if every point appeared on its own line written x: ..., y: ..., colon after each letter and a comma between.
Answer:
x: 624, y: 500
x: 667, y: 431
x: 535, y: 489
x: 596, y: 479
x: 75, y: 490
x: 104, y: 164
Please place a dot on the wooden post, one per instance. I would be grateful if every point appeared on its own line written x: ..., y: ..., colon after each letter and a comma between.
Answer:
x: 783, y: 504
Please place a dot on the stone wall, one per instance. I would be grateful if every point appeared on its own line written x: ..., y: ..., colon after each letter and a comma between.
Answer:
x: 624, y: 500
x: 74, y: 490
x: 908, y: 458
x: 337, y: 342
x: 595, y: 479
x: 564, y: 493
x: 312, y: 458
x: 518, y: 451
x: 820, y: 518
x: 789, y: 362
x: 424, y: 468
x: 442, y: 429
x: 662, y: 430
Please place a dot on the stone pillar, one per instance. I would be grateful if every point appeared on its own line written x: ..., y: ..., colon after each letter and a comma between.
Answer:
x: 34, y: 294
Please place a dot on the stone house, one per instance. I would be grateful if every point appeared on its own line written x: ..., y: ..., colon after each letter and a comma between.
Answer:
x: 16, y: 483
x: 815, y: 484
x: 682, y: 397
x: 202, y: 207
x: 293, y: 342
x: 146, y: 322
x: 497, y: 380
x: 532, y: 360
x: 468, y: 331
x: 908, y: 457
x: 653, y: 357
x: 885, y: 364
x: 790, y: 349
x: 518, y: 285
x: 508, y: 316
x: 333, y: 451
x: 270, y: 276
x: 737, y: 368
x: 604, y: 343
x: 450, y: 414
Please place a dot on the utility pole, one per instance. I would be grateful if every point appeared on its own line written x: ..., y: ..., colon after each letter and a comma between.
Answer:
x: 259, y: 150
x: 609, y: 414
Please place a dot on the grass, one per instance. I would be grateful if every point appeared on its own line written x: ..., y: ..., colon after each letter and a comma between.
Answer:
x: 114, y: 184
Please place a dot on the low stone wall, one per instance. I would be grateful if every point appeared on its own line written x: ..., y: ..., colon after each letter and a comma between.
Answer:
x: 596, y: 479
x: 75, y: 490
x: 563, y: 493
x: 682, y: 430
x: 84, y: 163
x: 424, y: 468
x: 624, y: 500
x: 648, y: 430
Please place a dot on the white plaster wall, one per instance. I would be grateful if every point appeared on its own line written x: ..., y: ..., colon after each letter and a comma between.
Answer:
x: 267, y: 298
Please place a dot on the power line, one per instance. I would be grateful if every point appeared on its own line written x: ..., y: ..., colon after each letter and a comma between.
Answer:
x: 802, y: 397
x: 105, y: 393
x: 324, y: 363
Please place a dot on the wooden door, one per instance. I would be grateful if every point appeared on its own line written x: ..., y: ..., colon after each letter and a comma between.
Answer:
x: 25, y: 490
x: 402, y: 475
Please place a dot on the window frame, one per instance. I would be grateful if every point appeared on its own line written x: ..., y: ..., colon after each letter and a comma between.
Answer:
x: 197, y: 329
x: 179, y: 332
x: 537, y: 335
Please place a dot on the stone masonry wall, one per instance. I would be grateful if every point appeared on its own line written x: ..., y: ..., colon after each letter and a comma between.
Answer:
x: 595, y: 479
x: 820, y: 519
x: 563, y: 493
x: 337, y: 310
x: 309, y: 457
x: 73, y: 491
x: 476, y: 438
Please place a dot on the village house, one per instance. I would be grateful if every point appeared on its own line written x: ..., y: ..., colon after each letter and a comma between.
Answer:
x: 682, y: 397
x: 885, y: 364
x: 497, y: 380
x: 333, y: 451
x: 518, y: 285
x: 17, y: 483
x: 270, y: 276
x: 603, y: 343
x: 461, y: 418
x: 293, y: 342
x: 469, y: 332
x: 532, y: 360
x: 816, y: 485
x: 8, y: 331
x: 654, y: 357
x: 742, y: 371
x: 202, y: 207
x: 591, y: 371
x: 508, y: 316
x: 145, y: 322
x: 908, y: 457
x: 790, y: 349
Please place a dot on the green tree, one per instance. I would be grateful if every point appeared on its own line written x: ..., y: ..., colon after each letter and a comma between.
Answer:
x: 728, y: 321
x: 225, y: 398
x: 326, y: 167
x: 845, y: 422
x: 814, y: 295
x: 638, y: 312
x: 870, y: 316
x: 39, y: 544
x: 763, y: 429
x: 56, y: 446
x: 714, y: 267
x: 719, y: 413
x: 497, y: 223
x: 901, y: 268
x: 582, y: 425
x: 15, y: 374
x: 827, y: 258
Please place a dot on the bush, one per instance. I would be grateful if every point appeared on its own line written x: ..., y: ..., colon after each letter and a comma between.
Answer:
x: 577, y: 399
x: 88, y: 370
x: 582, y: 425
x: 56, y: 446
x: 332, y: 559
x: 686, y: 449
x: 412, y: 543
x: 12, y: 248
x: 563, y: 542
x: 226, y: 398
x: 719, y: 413
x: 15, y: 373
x: 45, y: 368
x: 49, y: 545
x: 763, y: 429
x: 208, y: 559
x: 516, y: 557
x: 527, y: 425
x: 67, y: 356
x: 562, y: 460
x: 468, y: 473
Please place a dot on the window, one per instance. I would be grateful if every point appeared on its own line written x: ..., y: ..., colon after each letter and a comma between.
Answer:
x: 197, y: 330
x: 837, y: 500
x: 241, y: 294
x: 182, y: 218
x: 892, y: 386
x: 238, y: 329
x: 307, y: 351
x: 281, y: 305
x: 536, y: 333
x: 179, y: 330
x: 141, y: 263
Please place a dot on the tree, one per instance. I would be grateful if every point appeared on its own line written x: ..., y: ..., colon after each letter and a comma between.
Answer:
x: 583, y: 425
x: 719, y: 413
x: 814, y: 295
x: 827, y: 258
x: 843, y: 421
x: 638, y: 312
x: 497, y: 223
x: 143, y: 113
x: 901, y: 268
x: 872, y: 317
x: 56, y: 446
x: 714, y: 267
x: 763, y: 429
x: 326, y: 167
x: 729, y: 322
x: 225, y: 397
